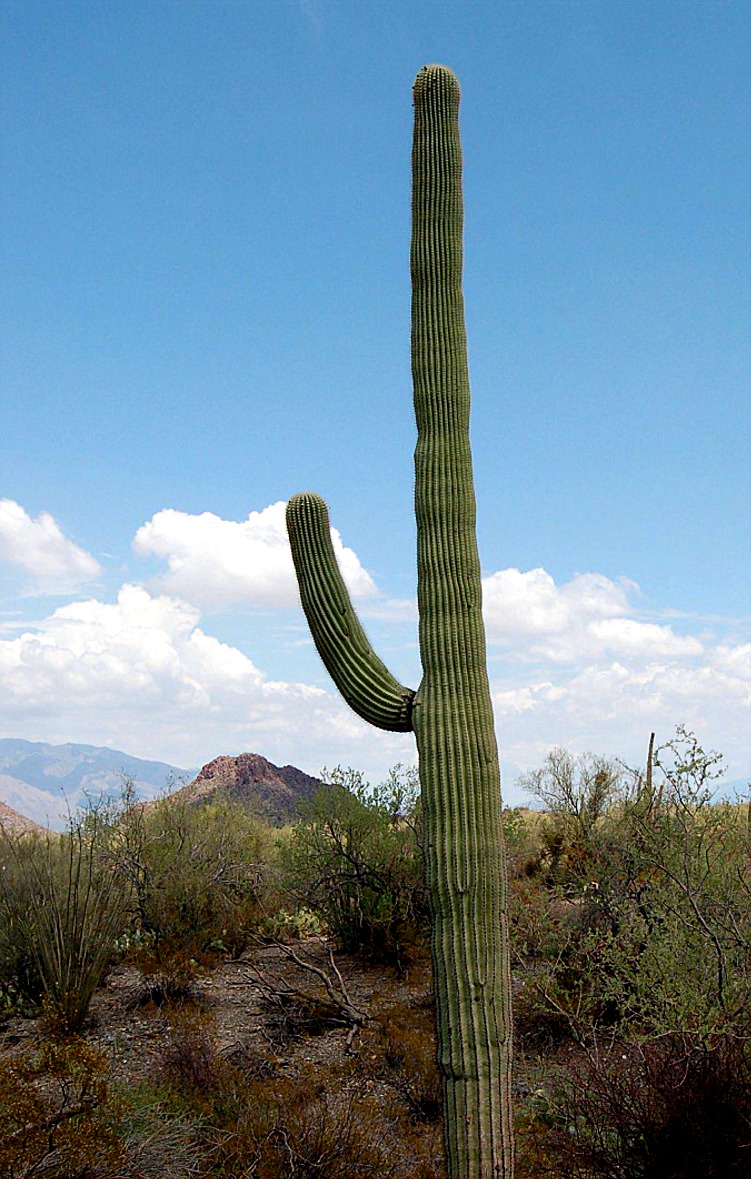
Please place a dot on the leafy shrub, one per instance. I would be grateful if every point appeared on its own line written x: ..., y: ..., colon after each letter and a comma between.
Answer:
x: 197, y: 874
x: 357, y: 862
x: 652, y: 927
x: 524, y: 849
x: 21, y: 985
x: 642, y: 942
x: 576, y: 793
x: 672, y: 905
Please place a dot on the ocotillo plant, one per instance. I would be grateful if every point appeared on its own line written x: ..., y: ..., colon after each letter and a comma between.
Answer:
x: 451, y: 713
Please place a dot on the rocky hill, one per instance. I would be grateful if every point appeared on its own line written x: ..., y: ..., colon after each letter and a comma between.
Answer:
x: 14, y: 824
x: 277, y: 794
x: 43, y: 784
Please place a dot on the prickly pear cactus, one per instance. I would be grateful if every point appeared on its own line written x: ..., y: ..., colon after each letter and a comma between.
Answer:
x: 451, y: 713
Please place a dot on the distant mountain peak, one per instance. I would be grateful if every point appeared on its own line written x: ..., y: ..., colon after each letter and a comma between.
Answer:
x: 49, y: 782
x: 275, y: 793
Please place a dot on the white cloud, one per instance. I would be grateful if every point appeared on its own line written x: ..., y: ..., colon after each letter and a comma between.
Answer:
x: 135, y: 653
x: 40, y: 548
x: 574, y: 665
x: 633, y: 638
x: 139, y: 674
x: 530, y: 604
x: 571, y: 665
x: 587, y: 617
x: 217, y: 563
x: 734, y: 661
x: 612, y: 709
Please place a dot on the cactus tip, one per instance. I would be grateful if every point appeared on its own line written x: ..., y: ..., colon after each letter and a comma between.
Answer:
x: 436, y: 77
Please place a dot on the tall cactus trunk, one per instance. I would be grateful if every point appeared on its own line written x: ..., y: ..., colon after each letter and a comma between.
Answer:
x: 451, y: 713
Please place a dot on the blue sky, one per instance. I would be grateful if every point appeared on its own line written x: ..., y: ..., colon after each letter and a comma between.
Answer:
x: 205, y: 308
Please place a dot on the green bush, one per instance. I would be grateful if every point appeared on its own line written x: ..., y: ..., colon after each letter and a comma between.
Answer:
x: 21, y: 986
x: 575, y: 792
x: 171, y: 882
x: 651, y: 923
x: 197, y: 874
x: 640, y: 949
x: 356, y: 861
x: 671, y: 905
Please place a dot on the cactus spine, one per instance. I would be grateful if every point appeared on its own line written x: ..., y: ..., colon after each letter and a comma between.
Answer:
x: 451, y: 713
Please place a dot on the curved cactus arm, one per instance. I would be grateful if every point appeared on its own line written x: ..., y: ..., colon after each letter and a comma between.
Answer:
x: 363, y: 680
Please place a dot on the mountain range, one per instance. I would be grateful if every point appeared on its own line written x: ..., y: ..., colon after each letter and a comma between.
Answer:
x: 44, y: 784
x: 47, y: 782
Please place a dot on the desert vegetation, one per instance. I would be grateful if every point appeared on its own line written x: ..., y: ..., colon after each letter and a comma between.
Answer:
x: 186, y: 991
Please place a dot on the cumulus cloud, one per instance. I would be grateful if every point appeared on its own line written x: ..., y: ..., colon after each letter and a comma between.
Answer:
x: 41, y: 549
x: 588, y: 617
x: 531, y: 604
x: 217, y: 563
x: 612, y: 708
x: 631, y: 637
x: 574, y: 665
x: 130, y: 653
x: 140, y: 674
x: 571, y: 664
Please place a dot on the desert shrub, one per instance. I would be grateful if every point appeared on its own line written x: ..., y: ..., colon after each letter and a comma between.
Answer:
x: 522, y: 832
x: 157, y: 1145
x: 575, y: 792
x: 294, y: 1133
x: 63, y: 909
x: 290, y: 1013
x: 255, y: 1122
x: 643, y: 944
x: 356, y: 861
x: 168, y: 977
x: 61, y: 1118
x: 197, y: 875
x: 407, y: 1041
x: 651, y: 927
x: 311, y: 1138
x: 666, y: 1107
x: 284, y: 926
x: 671, y: 908
x: 21, y: 986
x: 190, y: 1062
x: 56, y: 1115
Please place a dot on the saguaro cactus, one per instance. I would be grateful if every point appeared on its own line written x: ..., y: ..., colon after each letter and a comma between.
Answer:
x: 451, y: 712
